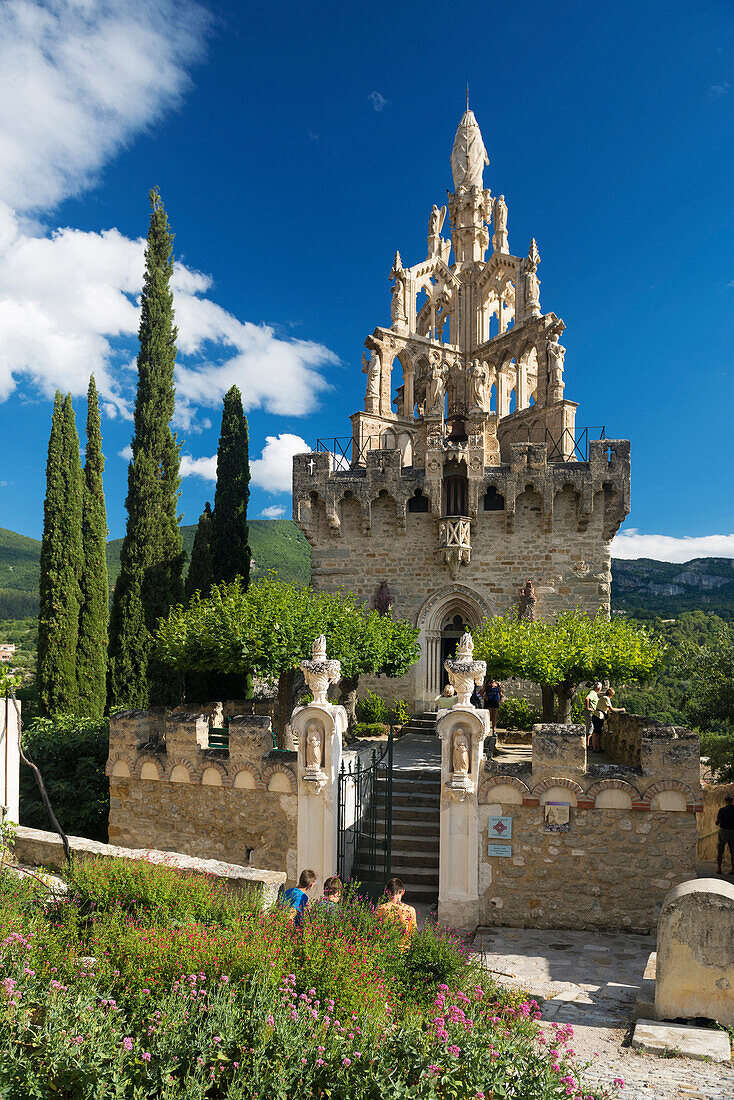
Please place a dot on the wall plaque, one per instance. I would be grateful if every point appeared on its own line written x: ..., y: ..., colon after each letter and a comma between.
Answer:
x: 500, y: 828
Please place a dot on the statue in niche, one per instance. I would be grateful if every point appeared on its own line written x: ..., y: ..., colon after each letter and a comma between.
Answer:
x: 528, y: 599
x: 216, y: 721
x: 383, y: 600
x: 436, y: 385
x: 478, y: 379
x: 372, y: 367
x: 532, y: 289
x: 314, y: 747
x: 556, y: 354
x: 397, y: 306
x: 460, y: 748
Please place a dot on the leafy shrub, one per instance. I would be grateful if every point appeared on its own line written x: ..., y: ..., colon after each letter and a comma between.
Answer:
x: 370, y: 729
x: 433, y: 958
x: 71, y: 754
x: 516, y: 714
x: 372, y: 708
x: 400, y: 713
x: 578, y: 711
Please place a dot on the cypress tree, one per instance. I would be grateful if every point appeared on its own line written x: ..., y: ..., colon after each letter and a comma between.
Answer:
x: 230, y: 550
x: 91, y: 664
x: 151, y: 560
x: 200, y: 577
x: 61, y: 565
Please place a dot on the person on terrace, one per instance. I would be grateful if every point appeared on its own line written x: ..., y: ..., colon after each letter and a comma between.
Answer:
x: 725, y: 823
x: 395, y: 909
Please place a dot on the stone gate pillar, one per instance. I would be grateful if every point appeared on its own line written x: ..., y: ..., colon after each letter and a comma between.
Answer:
x: 319, y: 728
x: 9, y: 760
x: 462, y: 731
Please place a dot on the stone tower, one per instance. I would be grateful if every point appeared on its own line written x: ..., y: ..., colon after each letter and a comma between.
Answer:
x: 465, y: 474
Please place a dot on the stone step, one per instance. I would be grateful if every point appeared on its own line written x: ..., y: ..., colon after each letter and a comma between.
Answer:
x: 418, y: 845
x: 411, y: 878
x: 409, y: 801
x: 411, y: 854
x: 417, y: 815
x: 404, y: 785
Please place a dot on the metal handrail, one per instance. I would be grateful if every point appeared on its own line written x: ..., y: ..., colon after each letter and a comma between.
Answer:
x: 344, y: 451
x: 363, y: 780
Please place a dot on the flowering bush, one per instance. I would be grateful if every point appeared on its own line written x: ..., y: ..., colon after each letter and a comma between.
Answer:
x: 101, y: 996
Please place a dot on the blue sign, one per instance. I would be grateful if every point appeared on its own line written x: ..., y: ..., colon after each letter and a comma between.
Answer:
x: 500, y: 828
x: 499, y: 850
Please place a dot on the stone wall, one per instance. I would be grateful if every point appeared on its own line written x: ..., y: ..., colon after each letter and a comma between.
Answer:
x: 37, y: 848
x: 9, y: 760
x: 631, y: 834
x: 169, y: 789
x: 713, y: 800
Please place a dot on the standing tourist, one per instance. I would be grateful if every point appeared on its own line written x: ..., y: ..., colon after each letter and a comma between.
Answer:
x: 603, y: 708
x: 725, y: 822
x: 590, y: 704
x: 494, y: 697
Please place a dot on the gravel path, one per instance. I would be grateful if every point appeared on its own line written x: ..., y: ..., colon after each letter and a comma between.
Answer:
x: 590, y: 980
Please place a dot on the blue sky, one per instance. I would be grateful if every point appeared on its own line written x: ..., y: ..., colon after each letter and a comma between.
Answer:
x: 296, y: 147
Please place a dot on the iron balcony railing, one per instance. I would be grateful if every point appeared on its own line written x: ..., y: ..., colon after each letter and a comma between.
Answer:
x: 346, y: 454
x: 572, y: 446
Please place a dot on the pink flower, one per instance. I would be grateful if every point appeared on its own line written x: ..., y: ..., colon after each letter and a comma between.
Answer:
x: 127, y: 1043
x: 145, y: 1056
x: 346, y: 1061
x: 619, y: 1082
x: 453, y: 1050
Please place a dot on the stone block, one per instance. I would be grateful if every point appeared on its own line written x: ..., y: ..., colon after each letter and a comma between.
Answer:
x: 695, y: 952
x: 689, y: 1042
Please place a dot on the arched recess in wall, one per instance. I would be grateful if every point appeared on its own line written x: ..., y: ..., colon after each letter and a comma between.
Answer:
x: 350, y: 514
x: 566, y: 507
x: 529, y: 509
x: 120, y: 769
x: 180, y: 774
x: 211, y: 778
x: 385, y: 514
x: 149, y: 770
x: 405, y: 444
x: 245, y: 781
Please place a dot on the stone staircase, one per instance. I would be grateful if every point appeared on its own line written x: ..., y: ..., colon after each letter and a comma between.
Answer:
x: 415, y: 832
x: 421, y: 723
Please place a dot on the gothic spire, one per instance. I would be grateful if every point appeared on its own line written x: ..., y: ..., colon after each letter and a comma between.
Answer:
x: 468, y: 155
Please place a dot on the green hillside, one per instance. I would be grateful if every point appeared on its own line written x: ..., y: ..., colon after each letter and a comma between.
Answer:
x: 668, y: 589
x: 276, y: 544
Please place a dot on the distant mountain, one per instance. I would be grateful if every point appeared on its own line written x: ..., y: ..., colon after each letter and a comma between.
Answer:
x: 276, y: 544
x: 658, y: 587
x: 667, y: 589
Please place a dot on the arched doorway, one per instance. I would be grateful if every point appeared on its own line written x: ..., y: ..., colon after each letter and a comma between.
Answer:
x: 441, y: 621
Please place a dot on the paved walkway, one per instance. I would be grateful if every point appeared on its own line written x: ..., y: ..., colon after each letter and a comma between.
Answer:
x: 417, y: 752
x: 590, y: 980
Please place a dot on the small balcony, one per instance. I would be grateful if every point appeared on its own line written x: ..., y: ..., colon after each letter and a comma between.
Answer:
x: 454, y: 540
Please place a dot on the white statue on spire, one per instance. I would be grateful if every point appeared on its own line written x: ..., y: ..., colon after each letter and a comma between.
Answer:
x: 468, y: 156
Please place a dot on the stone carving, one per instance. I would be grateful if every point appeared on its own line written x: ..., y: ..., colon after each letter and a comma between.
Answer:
x: 464, y: 671
x: 468, y: 156
x: 314, y: 747
x: 499, y: 239
x: 383, y: 600
x: 556, y: 354
x: 478, y: 385
x: 397, y: 306
x: 532, y: 283
x: 435, y: 221
x: 436, y: 385
x: 319, y: 672
x: 216, y: 721
x: 461, y: 746
x: 528, y: 599
x: 372, y: 367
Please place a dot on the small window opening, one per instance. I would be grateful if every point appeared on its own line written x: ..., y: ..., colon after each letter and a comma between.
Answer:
x: 418, y: 502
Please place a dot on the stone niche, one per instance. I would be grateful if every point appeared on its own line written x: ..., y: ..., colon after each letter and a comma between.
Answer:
x: 695, y: 953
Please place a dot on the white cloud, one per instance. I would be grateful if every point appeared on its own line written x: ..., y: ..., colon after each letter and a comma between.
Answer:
x: 632, y: 544
x: 78, y: 80
x: 716, y: 91
x: 126, y: 453
x: 273, y: 471
x: 378, y: 100
x: 275, y: 511
x: 205, y: 468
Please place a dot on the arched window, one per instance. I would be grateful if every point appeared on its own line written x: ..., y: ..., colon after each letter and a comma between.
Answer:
x: 418, y: 502
x: 493, y: 501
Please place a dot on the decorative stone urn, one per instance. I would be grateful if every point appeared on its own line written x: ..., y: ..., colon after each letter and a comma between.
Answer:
x: 320, y: 672
x: 464, y: 672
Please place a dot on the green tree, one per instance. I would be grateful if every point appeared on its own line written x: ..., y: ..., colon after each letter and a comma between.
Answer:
x: 709, y: 701
x: 230, y: 551
x: 151, y: 559
x: 200, y: 577
x: 61, y: 566
x: 91, y: 663
x: 560, y: 655
x: 269, y: 628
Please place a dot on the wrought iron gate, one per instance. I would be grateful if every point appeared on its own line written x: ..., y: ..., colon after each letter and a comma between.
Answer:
x: 364, y: 843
